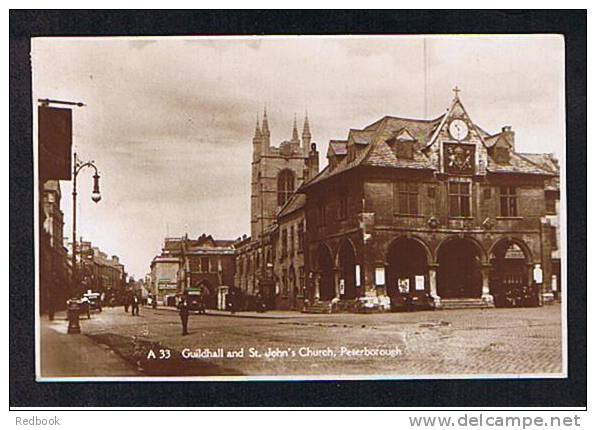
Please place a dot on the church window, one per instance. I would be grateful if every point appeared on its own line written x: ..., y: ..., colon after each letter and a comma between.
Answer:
x: 459, y: 199
x: 285, y: 186
x: 292, y: 240
x: 508, y: 201
x: 406, y: 198
x: 322, y: 220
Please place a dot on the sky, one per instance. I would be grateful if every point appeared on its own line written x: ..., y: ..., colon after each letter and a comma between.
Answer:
x: 169, y: 121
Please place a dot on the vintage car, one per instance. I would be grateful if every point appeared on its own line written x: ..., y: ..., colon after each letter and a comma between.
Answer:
x: 196, y: 303
x: 94, y: 300
x: 407, y: 302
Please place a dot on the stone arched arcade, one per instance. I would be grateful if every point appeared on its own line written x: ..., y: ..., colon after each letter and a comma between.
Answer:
x: 446, y: 266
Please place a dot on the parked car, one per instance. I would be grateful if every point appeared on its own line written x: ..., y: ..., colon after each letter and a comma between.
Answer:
x: 196, y: 303
x: 406, y: 302
x: 94, y: 300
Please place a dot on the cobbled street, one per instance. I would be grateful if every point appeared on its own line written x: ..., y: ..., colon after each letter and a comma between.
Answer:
x: 471, y: 342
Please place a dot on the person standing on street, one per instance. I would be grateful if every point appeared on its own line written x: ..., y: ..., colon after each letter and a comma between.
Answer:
x: 135, y: 305
x: 183, y: 309
x: 126, y: 301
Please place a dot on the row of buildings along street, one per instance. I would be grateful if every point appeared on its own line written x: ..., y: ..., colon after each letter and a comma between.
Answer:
x: 429, y: 213
x: 416, y: 227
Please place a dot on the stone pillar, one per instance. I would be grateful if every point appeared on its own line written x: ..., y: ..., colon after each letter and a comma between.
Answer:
x: 317, y: 287
x: 432, y: 284
x: 487, y: 297
x: 336, y: 277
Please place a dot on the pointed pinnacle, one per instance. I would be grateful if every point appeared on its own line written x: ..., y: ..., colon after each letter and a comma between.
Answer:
x: 265, y: 122
x: 306, y: 127
x: 295, y: 130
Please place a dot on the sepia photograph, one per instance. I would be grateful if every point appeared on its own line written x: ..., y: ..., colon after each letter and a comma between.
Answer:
x: 229, y: 208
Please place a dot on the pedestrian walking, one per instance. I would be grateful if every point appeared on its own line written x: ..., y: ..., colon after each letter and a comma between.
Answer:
x: 135, y: 305
x: 183, y: 309
x: 126, y: 301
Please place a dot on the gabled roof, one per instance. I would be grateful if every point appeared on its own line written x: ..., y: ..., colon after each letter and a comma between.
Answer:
x: 337, y: 147
x: 372, y: 147
x: 491, y: 141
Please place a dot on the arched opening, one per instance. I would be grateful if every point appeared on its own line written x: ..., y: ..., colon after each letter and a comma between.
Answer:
x: 325, y: 266
x: 458, y: 274
x: 347, y: 270
x: 407, y: 267
x: 204, y: 291
x: 285, y: 186
x: 509, y: 280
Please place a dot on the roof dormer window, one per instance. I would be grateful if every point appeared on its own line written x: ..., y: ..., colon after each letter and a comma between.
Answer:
x: 403, y: 144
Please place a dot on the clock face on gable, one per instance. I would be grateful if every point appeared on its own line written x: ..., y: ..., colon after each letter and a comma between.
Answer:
x: 458, y: 129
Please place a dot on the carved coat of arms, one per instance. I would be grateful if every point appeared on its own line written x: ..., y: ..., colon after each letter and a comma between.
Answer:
x: 459, y: 158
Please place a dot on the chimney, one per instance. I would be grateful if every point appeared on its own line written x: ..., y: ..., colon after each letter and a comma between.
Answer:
x: 313, y: 161
x: 509, y: 135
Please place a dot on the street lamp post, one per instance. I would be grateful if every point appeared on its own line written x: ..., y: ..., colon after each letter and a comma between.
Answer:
x: 73, y: 307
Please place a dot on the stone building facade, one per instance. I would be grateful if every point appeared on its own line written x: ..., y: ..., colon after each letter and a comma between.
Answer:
x: 204, y: 266
x: 100, y: 272
x: 264, y: 263
x: 54, y: 273
x: 437, y: 207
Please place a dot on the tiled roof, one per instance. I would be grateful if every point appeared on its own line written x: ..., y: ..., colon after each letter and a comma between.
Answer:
x: 548, y: 162
x: 372, y: 149
x: 517, y: 164
x: 384, y: 156
x: 294, y: 203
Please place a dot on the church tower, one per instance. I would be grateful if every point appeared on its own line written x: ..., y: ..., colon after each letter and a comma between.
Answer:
x: 277, y: 171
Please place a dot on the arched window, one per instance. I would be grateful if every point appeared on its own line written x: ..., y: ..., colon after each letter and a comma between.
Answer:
x: 285, y: 186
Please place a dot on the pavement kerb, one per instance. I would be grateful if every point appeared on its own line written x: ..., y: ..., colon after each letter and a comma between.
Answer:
x: 210, y: 312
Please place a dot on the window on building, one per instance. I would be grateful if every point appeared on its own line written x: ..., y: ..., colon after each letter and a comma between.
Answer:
x: 284, y: 243
x: 508, y: 197
x: 204, y: 264
x: 554, y: 238
x: 292, y: 240
x: 551, y: 203
x: 459, y: 199
x: 342, y: 212
x: 301, y: 236
x: 406, y: 198
x: 285, y: 186
x: 322, y: 220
